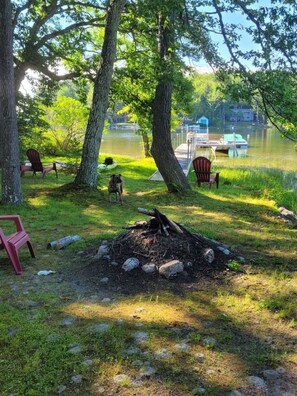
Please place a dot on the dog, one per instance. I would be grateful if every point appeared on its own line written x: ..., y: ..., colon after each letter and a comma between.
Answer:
x: 115, y: 186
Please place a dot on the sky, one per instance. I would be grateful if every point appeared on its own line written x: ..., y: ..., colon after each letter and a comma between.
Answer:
x: 245, y: 42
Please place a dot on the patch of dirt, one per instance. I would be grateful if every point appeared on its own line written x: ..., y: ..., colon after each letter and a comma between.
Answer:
x: 155, y: 247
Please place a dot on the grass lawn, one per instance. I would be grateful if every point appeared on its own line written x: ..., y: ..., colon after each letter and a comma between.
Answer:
x: 60, y: 334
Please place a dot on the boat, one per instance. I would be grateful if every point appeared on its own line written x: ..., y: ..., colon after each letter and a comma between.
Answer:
x: 233, y: 144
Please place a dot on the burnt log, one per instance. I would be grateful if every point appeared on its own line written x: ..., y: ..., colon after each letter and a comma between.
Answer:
x: 164, y: 221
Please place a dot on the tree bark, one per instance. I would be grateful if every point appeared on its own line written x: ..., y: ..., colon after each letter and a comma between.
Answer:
x: 9, y: 143
x: 87, y: 173
x: 162, y: 150
x: 146, y: 144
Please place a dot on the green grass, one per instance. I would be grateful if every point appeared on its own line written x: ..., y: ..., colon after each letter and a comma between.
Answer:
x: 253, y: 302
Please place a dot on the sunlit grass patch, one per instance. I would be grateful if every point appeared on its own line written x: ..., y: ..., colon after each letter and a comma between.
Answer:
x: 144, y: 310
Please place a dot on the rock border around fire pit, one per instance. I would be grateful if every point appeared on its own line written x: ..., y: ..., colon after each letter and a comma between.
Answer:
x: 162, y: 247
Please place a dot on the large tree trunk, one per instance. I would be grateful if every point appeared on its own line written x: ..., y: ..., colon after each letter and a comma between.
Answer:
x: 162, y: 150
x: 9, y: 143
x: 87, y: 173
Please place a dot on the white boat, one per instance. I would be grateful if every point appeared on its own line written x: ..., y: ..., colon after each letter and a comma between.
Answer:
x: 233, y: 144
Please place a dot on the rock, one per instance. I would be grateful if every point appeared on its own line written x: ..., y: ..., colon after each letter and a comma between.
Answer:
x: 132, y: 351
x: 99, y: 328
x: 31, y: 303
x: 149, y: 268
x: 130, y: 264
x: 99, y: 389
x: 188, y: 265
x: 102, y: 251
x: 138, y: 310
x: 257, y: 382
x: 75, y: 349
x: 137, y: 363
x: 200, y: 357
x: 171, y: 268
x: 68, y: 321
x: 209, y: 342
x: 121, y: 379
x: 182, y: 347
x: 140, y: 337
x: 52, y: 337
x: 224, y: 250
x: 76, y: 379
x: 106, y: 300
x: 281, y: 370
x: 271, y: 375
x: 88, y: 362
x: 12, y: 332
x: 114, y: 263
x: 287, y: 214
x: 163, y: 354
x: 235, y: 393
x: 104, y: 280
x: 208, y: 255
x: 148, y: 371
x: 136, y: 383
x: 61, y: 389
x: 199, y: 391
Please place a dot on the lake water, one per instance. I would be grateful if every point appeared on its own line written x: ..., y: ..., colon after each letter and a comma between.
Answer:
x: 266, y: 147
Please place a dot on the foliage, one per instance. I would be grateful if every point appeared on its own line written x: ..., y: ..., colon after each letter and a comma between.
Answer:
x: 233, y: 265
x: 31, y: 123
x: 269, y: 80
x: 67, y: 119
x: 46, y: 34
x: 273, y: 92
x: 135, y: 80
x: 207, y: 98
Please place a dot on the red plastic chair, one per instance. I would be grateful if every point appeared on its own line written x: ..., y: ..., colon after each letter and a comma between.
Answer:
x: 36, y: 164
x: 13, y: 242
x: 202, y: 168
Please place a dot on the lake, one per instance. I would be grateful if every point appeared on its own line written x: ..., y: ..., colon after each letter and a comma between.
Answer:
x: 266, y: 147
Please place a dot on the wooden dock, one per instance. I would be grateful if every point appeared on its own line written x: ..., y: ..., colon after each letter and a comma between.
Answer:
x: 184, y: 154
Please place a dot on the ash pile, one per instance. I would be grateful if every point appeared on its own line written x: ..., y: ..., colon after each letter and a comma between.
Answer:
x: 163, y: 247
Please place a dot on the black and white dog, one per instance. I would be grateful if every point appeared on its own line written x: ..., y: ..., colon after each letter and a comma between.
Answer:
x: 115, y: 186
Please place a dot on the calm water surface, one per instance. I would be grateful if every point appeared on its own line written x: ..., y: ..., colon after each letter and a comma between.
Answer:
x: 266, y: 147
x: 122, y: 142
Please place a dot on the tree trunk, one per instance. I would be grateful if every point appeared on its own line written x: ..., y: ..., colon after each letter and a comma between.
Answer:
x: 146, y: 144
x: 87, y: 173
x: 9, y: 143
x: 162, y: 150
